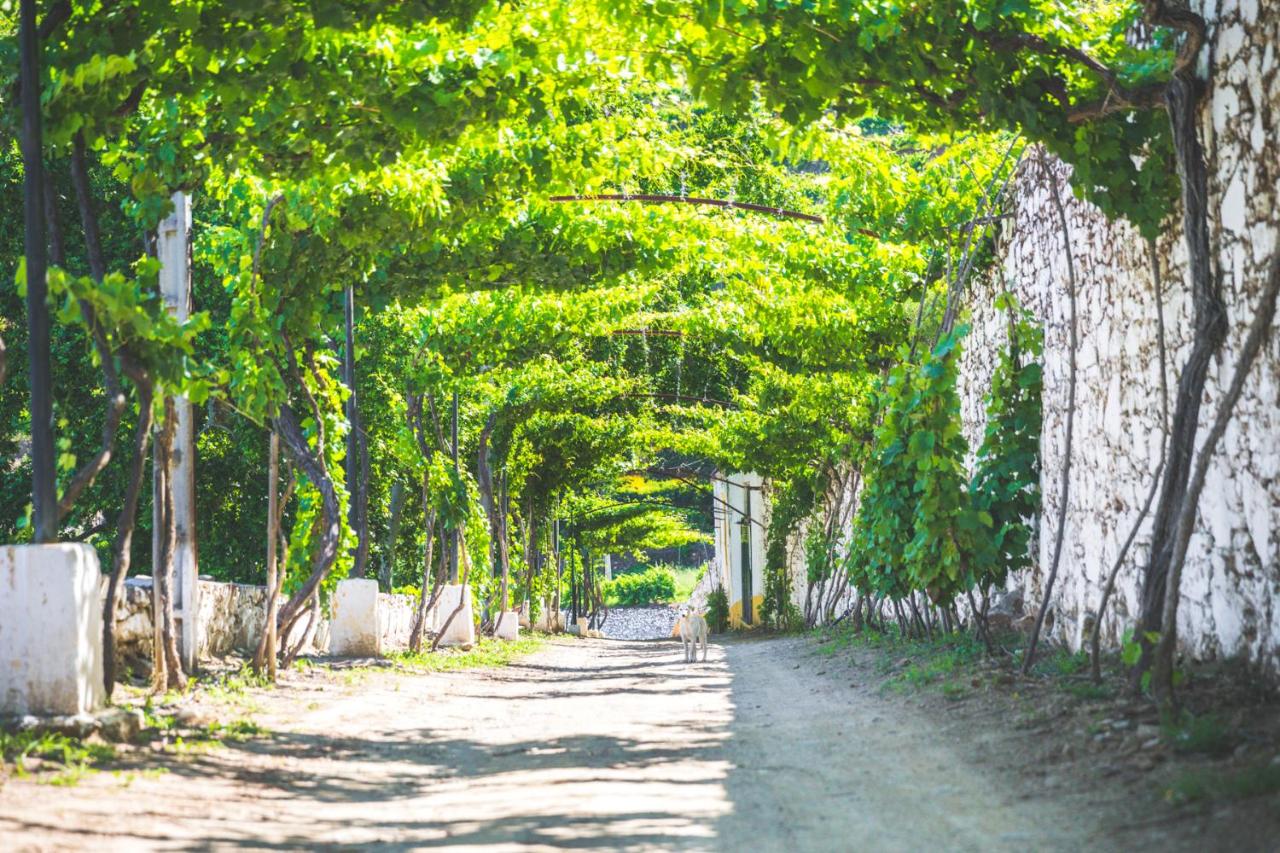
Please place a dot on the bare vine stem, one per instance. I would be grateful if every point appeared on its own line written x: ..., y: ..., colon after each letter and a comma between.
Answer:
x: 1094, y: 639
x: 1065, y: 490
x: 1162, y: 663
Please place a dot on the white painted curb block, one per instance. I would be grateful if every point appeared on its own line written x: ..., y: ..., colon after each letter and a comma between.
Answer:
x: 356, y: 630
x: 508, y: 625
x: 462, y: 630
x: 548, y: 619
x: 50, y: 630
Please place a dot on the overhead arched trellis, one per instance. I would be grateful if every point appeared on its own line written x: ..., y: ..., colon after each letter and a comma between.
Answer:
x: 650, y: 198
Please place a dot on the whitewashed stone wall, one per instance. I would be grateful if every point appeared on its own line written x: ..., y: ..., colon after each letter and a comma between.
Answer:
x: 1232, y: 577
x: 232, y: 618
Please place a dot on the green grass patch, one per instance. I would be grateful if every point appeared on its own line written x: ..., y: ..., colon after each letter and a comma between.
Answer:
x: 236, y: 730
x: 833, y: 642
x: 931, y: 662
x: 1217, y: 786
x: 70, y: 757
x: 909, y: 663
x: 1206, y: 733
x: 686, y: 579
x: 1088, y: 691
x: 487, y: 653
x: 1060, y: 662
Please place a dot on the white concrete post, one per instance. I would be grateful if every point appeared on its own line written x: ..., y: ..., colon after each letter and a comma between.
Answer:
x: 507, y: 626
x: 50, y: 630
x: 462, y: 630
x: 608, y: 567
x: 174, y: 251
x: 356, y: 629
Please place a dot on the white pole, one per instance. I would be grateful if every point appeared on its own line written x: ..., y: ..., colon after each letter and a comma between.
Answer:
x: 174, y: 251
x: 273, y: 510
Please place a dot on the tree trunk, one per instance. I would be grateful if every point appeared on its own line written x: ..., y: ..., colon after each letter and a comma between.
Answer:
x: 1209, y: 316
x: 312, y: 467
x: 168, y: 664
x: 121, y: 549
x: 1162, y: 671
x: 272, y: 634
x: 466, y: 573
x: 426, y: 601
x: 386, y: 570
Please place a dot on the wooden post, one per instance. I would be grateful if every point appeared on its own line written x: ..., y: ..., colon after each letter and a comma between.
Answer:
x: 453, y: 537
x: 174, y: 251
x: 355, y: 510
x: 273, y: 500
x: 44, y: 491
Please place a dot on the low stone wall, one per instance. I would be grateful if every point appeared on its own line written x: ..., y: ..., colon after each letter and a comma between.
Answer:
x: 232, y: 618
x: 396, y: 615
x: 654, y: 622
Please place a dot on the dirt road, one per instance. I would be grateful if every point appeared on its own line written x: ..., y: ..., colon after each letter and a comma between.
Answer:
x: 585, y: 744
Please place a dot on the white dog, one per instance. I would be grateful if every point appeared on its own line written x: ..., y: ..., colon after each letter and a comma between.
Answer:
x: 693, y: 630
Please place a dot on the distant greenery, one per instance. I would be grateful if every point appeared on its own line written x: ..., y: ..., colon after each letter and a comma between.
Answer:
x: 687, y: 578
x: 655, y: 585
x: 684, y: 579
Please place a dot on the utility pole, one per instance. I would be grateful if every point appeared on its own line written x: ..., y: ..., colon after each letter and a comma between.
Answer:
x: 173, y: 248
x: 44, y: 496
x: 453, y: 534
x: 354, y: 509
x: 748, y: 616
x: 273, y: 511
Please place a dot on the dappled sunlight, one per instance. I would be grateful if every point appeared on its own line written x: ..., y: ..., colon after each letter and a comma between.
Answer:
x: 588, y: 744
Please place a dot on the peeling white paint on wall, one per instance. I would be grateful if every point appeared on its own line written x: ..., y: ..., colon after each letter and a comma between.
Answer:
x: 1232, y: 577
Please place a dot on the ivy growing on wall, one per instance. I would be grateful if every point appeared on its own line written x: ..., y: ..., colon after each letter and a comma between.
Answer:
x: 922, y: 524
x: 1006, y: 479
x: 791, y: 502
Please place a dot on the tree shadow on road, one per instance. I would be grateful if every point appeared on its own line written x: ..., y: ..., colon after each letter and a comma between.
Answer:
x: 660, y: 785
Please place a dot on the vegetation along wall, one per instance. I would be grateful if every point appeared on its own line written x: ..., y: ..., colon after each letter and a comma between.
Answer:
x: 1125, y: 289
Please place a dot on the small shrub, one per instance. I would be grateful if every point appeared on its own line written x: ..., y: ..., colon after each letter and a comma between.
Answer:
x: 1253, y: 781
x: 653, y: 586
x: 1205, y: 734
x: 718, y: 610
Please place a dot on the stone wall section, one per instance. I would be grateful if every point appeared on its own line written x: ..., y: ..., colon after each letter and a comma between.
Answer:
x: 1232, y: 578
x: 232, y: 618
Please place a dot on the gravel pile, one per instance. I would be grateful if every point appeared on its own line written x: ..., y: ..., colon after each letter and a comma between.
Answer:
x: 640, y: 623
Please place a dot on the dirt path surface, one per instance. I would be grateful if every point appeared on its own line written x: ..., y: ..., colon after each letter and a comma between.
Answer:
x: 585, y: 744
